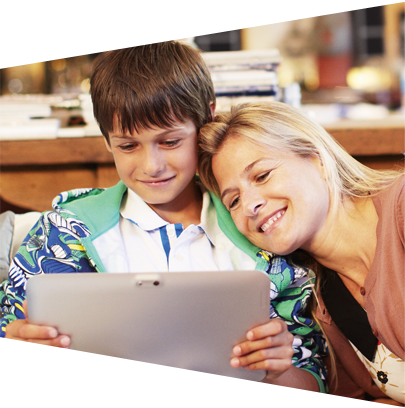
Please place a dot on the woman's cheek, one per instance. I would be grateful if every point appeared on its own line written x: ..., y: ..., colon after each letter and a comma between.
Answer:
x: 241, y: 222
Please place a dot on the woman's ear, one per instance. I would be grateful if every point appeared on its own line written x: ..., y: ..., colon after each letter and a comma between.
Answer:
x: 317, y: 159
x: 212, y: 109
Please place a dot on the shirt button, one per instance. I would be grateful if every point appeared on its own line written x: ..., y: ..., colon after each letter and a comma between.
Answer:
x: 375, y: 332
x: 179, y: 257
x: 171, y: 234
x: 362, y: 291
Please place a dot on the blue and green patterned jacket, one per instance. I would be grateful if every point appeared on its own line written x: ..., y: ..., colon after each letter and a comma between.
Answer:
x: 62, y: 242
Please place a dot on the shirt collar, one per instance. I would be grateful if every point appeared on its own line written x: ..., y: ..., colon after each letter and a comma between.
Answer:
x: 134, y: 209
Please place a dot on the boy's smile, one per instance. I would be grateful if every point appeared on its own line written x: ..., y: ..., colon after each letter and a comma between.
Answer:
x: 158, y: 164
x: 157, y: 183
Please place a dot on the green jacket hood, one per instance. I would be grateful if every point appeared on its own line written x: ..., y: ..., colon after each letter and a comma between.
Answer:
x: 97, y: 208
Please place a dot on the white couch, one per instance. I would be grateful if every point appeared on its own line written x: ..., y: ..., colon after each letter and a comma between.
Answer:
x: 13, y: 230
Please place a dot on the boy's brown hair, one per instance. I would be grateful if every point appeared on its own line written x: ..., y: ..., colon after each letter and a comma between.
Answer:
x: 151, y: 85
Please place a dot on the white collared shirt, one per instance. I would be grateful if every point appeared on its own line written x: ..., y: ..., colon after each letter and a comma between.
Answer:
x: 144, y: 242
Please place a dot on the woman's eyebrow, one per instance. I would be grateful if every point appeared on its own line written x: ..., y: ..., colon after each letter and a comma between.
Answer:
x: 249, y: 167
x: 227, y: 191
x: 245, y: 171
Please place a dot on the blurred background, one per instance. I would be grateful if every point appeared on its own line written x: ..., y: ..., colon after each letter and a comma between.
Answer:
x: 346, y: 57
x: 345, y: 70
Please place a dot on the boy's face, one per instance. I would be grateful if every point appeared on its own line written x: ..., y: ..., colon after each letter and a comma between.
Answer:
x: 158, y: 164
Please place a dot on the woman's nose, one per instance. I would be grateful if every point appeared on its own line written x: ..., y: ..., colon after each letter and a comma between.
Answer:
x: 252, y: 205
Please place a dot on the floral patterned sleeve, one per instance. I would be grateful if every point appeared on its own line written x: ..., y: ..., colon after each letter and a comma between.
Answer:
x: 291, y: 287
x: 52, y: 246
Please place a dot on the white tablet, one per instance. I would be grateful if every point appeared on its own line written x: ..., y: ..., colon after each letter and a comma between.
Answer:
x: 187, y: 320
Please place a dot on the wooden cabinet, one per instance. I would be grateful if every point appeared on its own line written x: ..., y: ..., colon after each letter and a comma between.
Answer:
x: 33, y: 172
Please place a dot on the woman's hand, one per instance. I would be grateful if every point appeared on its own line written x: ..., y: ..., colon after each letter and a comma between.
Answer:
x: 23, y: 330
x: 269, y: 347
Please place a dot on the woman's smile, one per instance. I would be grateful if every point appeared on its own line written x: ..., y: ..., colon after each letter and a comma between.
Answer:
x: 271, y: 220
x: 278, y: 200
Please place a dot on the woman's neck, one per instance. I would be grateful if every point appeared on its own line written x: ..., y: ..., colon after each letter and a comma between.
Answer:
x: 347, y: 242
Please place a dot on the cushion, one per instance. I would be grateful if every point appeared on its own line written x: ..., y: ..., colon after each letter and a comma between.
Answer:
x: 7, y: 219
x: 22, y: 225
x: 13, y: 229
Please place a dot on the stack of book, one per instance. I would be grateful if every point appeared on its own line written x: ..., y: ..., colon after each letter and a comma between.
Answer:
x: 86, y: 105
x: 26, y: 116
x: 40, y: 116
x: 244, y: 76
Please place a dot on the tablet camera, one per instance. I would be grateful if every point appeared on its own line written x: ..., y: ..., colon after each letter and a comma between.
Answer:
x: 147, y: 282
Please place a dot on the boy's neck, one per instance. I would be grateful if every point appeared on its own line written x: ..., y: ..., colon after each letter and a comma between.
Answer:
x: 185, y: 209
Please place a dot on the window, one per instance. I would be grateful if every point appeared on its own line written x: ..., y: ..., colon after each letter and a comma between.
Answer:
x: 368, y: 32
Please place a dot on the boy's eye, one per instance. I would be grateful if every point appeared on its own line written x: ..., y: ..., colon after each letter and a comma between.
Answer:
x: 170, y: 143
x: 128, y: 147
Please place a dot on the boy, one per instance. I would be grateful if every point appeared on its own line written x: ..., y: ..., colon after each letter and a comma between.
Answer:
x: 150, y: 103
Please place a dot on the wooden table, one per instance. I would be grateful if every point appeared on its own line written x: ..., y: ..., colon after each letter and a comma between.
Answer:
x: 33, y: 172
x: 380, y: 146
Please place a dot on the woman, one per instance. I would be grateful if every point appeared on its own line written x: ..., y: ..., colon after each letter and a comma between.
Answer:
x: 290, y: 188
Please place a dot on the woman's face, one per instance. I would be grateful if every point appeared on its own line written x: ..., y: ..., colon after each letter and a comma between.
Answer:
x: 278, y: 200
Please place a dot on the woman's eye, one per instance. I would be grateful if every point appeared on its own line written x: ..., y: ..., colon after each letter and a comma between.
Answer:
x: 233, y: 203
x: 262, y: 177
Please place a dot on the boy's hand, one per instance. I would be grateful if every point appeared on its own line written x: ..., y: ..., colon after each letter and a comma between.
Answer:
x: 22, y: 330
x: 269, y: 347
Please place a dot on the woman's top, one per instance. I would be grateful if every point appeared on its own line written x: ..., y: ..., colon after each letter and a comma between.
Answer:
x: 385, y: 368
x: 384, y: 307
x: 387, y: 371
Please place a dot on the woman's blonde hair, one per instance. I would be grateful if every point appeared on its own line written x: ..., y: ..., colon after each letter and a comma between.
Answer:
x: 278, y: 126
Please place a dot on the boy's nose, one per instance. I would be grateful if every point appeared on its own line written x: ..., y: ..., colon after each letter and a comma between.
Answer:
x: 153, y: 164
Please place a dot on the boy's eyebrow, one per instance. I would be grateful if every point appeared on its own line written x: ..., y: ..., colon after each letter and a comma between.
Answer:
x: 130, y: 137
x: 119, y: 136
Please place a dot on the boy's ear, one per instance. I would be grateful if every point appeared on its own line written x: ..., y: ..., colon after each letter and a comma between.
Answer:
x: 107, y: 145
x: 212, y: 109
